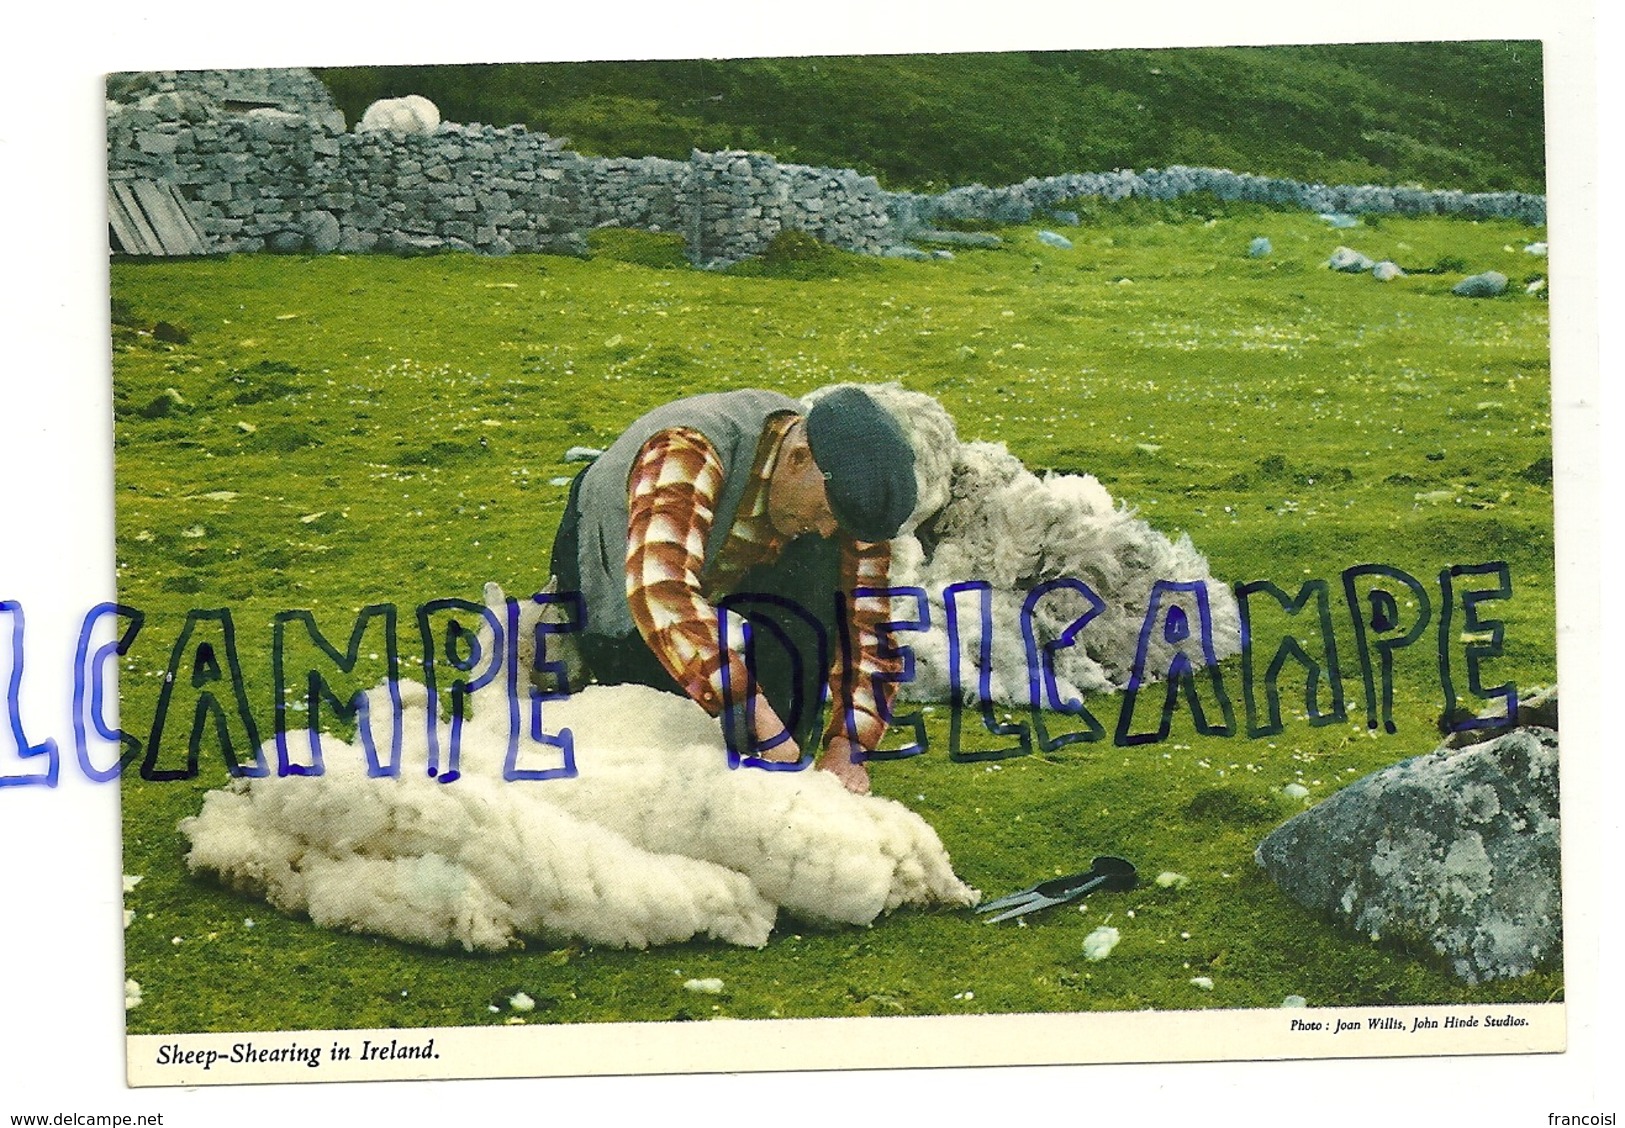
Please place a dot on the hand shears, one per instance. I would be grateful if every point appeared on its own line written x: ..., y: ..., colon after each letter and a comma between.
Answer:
x: 1114, y: 875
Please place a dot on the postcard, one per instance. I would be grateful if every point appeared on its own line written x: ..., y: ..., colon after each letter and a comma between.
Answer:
x: 616, y: 579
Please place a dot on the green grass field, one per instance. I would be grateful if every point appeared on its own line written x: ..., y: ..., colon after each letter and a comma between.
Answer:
x: 328, y: 433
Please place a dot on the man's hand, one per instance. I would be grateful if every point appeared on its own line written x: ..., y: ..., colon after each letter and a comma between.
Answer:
x: 839, y: 760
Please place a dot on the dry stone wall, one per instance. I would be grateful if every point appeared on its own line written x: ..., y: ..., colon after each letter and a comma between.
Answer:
x: 1018, y: 203
x: 745, y: 199
x: 263, y: 158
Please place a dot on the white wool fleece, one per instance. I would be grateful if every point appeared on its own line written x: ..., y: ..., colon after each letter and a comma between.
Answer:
x: 982, y: 515
x: 656, y: 841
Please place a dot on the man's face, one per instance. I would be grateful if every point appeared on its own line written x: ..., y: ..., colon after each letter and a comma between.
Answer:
x: 796, y: 501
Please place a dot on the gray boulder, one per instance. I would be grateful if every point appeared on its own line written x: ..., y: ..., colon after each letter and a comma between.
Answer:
x: 1487, y: 285
x: 1455, y: 851
x: 322, y: 232
x: 285, y: 242
x: 1259, y: 248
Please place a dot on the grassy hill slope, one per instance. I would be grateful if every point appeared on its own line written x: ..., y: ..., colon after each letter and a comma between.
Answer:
x: 1457, y: 115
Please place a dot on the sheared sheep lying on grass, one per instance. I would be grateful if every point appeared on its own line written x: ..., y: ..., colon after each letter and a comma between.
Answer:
x: 655, y: 841
x: 982, y: 515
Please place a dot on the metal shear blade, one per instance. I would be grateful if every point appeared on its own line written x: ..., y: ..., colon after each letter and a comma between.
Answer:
x: 1115, y: 874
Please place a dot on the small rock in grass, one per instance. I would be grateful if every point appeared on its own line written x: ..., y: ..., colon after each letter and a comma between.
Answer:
x: 131, y: 881
x: 1168, y: 879
x: 1259, y: 248
x: 703, y: 986
x: 1295, y: 791
x: 520, y: 1001
x: 1051, y: 239
x: 1202, y: 983
x: 161, y: 405
x: 583, y: 454
x: 1294, y: 1001
x: 1099, y: 943
x: 1486, y: 285
x: 132, y: 994
x: 1386, y: 271
x: 1349, y: 261
x: 1339, y: 219
x: 1536, y: 249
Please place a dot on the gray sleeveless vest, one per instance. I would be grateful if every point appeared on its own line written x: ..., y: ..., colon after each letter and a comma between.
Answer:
x: 732, y: 422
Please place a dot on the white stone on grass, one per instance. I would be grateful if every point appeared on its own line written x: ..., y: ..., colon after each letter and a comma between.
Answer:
x: 1349, y: 261
x: 1099, y: 943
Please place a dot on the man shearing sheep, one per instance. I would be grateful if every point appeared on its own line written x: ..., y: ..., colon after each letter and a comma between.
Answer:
x: 745, y: 493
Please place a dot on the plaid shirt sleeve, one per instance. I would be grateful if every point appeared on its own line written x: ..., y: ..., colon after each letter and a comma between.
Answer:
x: 673, y: 491
x: 856, y: 687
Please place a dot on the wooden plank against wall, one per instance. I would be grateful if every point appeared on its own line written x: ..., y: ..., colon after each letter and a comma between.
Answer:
x: 146, y: 237
x: 118, y: 219
x: 149, y: 217
x: 168, y: 220
x: 184, y: 216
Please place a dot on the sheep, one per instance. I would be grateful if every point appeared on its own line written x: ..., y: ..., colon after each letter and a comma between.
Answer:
x: 982, y: 515
x: 410, y: 114
x: 654, y: 841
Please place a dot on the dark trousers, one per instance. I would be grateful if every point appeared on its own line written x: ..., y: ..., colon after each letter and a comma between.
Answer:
x: 789, y: 604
